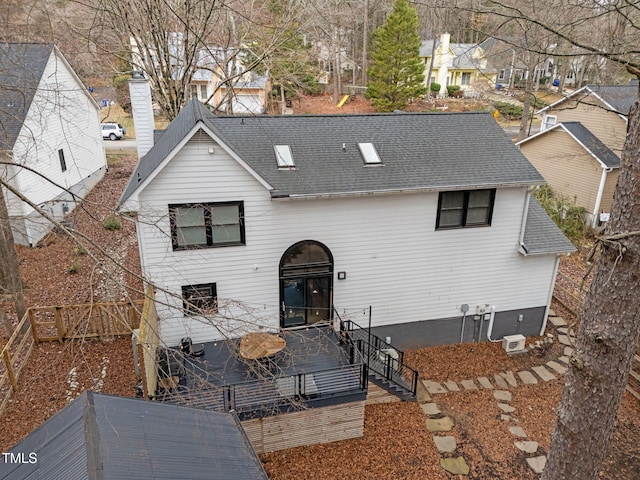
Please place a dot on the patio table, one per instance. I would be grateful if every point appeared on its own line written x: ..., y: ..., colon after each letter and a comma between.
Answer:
x: 258, y: 345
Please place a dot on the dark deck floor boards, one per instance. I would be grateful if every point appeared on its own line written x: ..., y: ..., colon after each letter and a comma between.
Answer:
x: 308, y: 350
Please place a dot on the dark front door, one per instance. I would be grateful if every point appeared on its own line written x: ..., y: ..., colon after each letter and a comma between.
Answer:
x: 306, y: 274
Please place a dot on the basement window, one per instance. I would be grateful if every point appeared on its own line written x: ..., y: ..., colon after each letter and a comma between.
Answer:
x: 284, y: 157
x: 369, y: 154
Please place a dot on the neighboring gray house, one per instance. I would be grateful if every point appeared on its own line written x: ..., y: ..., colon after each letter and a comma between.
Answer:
x: 48, y: 123
x: 282, y: 222
x: 102, y: 437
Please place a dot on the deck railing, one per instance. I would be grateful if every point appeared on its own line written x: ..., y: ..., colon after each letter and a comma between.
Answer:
x: 381, y: 357
x: 271, y: 395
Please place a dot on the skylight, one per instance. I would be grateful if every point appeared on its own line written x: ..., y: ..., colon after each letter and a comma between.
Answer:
x: 284, y: 156
x: 369, y: 153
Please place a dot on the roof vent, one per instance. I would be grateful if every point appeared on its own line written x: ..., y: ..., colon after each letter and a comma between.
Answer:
x: 369, y: 154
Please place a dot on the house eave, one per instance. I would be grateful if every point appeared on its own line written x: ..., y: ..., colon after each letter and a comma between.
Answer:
x: 276, y: 195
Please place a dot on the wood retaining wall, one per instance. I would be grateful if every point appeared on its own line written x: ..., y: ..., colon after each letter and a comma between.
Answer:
x: 306, y: 427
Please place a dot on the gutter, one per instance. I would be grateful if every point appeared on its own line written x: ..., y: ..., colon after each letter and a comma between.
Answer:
x: 364, y: 193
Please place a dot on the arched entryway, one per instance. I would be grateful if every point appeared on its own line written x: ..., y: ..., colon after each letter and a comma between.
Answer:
x: 306, y: 283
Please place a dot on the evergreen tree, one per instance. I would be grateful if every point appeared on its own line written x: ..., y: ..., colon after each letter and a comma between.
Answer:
x: 397, y: 74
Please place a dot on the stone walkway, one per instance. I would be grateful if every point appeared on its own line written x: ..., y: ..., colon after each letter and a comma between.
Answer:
x: 500, y: 384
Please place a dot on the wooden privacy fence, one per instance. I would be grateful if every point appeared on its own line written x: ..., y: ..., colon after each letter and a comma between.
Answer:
x: 84, y: 321
x: 15, y: 355
x: 41, y: 324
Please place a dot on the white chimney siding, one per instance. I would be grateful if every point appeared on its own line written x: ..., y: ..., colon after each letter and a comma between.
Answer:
x: 140, y: 91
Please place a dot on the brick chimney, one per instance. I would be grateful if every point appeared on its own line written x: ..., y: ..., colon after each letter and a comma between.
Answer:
x: 142, y: 108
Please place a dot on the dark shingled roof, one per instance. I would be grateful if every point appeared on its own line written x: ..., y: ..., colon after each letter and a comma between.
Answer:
x: 541, y: 235
x: 106, y: 437
x: 591, y: 142
x: 619, y: 97
x: 419, y: 151
x: 21, y: 68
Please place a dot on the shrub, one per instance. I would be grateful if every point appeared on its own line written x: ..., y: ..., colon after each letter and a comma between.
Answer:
x: 435, y: 88
x: 508, y: 110
x: 112, y: 222
x: 452, y: 89
x: 564, y: 212
x: 75, y: 266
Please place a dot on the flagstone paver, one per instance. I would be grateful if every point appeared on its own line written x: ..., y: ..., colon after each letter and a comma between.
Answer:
x: 445, y: 444
x: 537, y: 463
x: 510, y: 378
x: 468, y: 385
x: 444, y: 424
x: 565, y: 340
x: 517, y: 431
x: 455, y: 466
x: 561, y: 369
x: 527, y: 377
x: 558, y: 321
x: 500, y: 382
x: 433, y: 387
x: 506, y: 408
x: 507, y: 418
x: 485, y: 383
x: 430, y: 409
x: 421, y: 393
x: 527, y: 446
x: 502, y: 395
x: 452, y: 386
x: 564, y: 359
x: 568, y: 351
x: 543, y: 373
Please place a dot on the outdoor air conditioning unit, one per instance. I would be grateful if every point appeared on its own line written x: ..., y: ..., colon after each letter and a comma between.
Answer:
x: 513, y: 343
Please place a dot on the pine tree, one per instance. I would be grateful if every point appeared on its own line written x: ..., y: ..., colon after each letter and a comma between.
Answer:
x: 397, y: 74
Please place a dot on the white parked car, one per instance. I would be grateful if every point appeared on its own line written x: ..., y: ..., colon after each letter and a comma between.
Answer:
x: 112, y: 131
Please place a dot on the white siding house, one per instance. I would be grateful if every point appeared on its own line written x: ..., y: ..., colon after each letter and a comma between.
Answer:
x: 439, y: 220
x: 50, y: 140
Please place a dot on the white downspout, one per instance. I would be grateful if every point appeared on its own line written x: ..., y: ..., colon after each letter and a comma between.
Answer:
x: 525, y: 212
x: 550, y: 295
x: 596, y: 207
x: 490, y: 328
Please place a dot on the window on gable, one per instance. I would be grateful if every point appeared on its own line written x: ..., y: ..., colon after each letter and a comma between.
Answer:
x: 63, y: 163
x: 549, y: 121
x: 199, y: 299
x: 204, y: 225
x: 468, y: 208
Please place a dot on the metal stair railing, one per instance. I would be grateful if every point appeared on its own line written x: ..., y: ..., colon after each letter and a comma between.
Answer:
x: 381, y: 357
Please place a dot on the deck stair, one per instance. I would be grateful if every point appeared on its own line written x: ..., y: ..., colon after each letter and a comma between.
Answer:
x: 385, y: 363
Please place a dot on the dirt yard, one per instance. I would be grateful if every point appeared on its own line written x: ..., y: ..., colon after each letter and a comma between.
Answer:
x: 396, y: 442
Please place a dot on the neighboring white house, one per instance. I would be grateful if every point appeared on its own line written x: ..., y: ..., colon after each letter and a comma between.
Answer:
x: 51, y: 146
x: 283, y: 221
x: 221, y: 79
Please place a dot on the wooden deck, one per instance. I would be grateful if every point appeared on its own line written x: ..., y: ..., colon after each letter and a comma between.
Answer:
x: 313, y: 368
